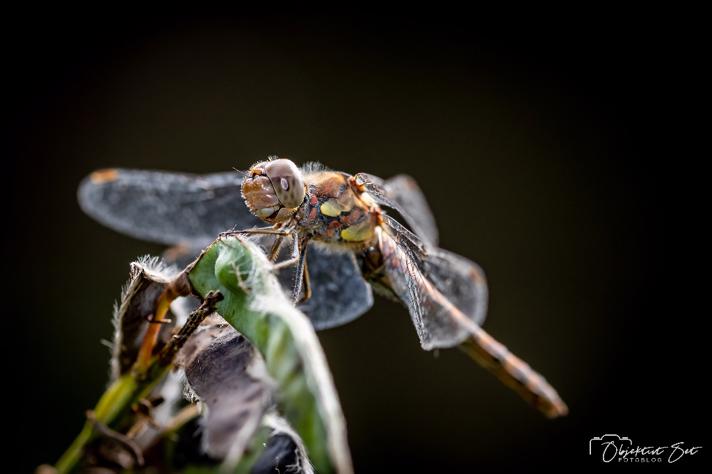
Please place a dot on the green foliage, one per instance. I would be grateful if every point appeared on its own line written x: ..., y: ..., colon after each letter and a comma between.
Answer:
x: 255, y: 305
x: 234, y: 280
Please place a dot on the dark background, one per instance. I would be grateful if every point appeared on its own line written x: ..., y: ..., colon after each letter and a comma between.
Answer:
x: 543, y: 150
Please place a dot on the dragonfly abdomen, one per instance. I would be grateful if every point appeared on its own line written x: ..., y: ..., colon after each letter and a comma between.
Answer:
x: 515, y: 373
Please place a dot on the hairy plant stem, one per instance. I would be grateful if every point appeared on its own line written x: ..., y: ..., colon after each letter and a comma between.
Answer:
x: 133, y: 387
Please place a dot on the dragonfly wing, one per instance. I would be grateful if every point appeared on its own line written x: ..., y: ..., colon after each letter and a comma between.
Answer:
x: 460, y: 280
x: 402, y: 194
x: 439, y: 288
x: 404, y: 190
x: 339, y: 292
x: 164, y: 207
x: 435, y: 328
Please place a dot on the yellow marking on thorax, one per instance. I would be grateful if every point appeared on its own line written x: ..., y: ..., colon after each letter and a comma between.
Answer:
x: 359, y: 232
x: 333, y: 207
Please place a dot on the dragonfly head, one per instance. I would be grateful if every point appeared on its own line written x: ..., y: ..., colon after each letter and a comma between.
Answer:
x: 273, y: 190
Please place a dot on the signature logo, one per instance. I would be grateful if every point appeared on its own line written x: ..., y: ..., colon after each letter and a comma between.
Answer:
x: 621, y: 449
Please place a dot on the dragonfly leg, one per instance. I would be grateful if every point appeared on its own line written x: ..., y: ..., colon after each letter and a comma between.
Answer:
x: 279, y: 232
x: 274, y: 251
x: 301, y: 277
x: 294, y: 258
x: 257, y: 231
x: 307, y: 282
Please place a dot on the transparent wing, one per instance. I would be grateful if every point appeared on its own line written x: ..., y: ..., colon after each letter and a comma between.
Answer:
x: 460, y: 280
x: 339, y: 292
x: 432, y: 282
x: 446, y: 296
x: 402, y: 194
x: 166, y: 207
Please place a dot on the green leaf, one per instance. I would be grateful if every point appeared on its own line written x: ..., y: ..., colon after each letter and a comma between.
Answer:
x: 255, y: 305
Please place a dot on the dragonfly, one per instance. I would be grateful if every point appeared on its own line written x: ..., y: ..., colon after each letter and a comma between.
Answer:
x: 338, y: 234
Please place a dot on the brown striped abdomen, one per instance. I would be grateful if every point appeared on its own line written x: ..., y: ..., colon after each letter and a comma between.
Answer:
x: 515, y: 373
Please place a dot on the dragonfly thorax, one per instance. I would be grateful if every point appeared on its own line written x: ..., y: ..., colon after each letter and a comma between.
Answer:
x: 273, y: 190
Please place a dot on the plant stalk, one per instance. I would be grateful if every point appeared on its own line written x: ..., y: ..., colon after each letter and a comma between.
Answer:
x: 134, y: 386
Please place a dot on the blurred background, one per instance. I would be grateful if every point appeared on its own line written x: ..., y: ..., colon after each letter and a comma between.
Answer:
x: 540, y: 150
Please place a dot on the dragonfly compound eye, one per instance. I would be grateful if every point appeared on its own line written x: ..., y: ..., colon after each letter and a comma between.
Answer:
x: 273, y: 190
x: 287, y: 182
